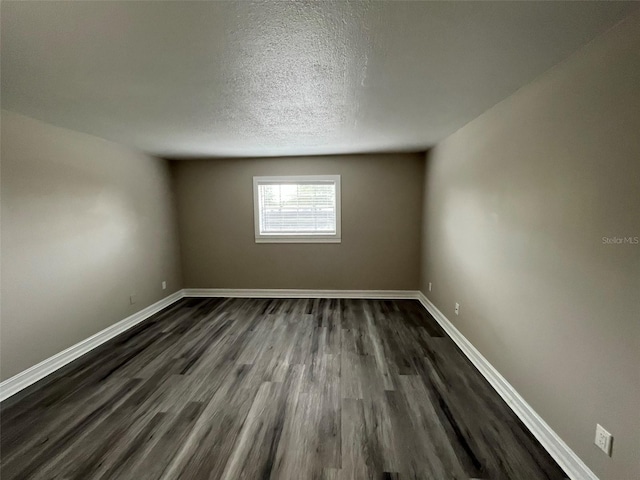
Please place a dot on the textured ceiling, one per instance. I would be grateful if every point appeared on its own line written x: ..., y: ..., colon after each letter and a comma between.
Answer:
x: 246, y: 78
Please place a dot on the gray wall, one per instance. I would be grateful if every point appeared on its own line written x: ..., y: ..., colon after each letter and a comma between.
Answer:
x: 85, y: 223
x: 381, y: 210
x: 516, y: 207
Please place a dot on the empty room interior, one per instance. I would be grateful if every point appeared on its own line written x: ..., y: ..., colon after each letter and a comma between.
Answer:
x: 320, y: 240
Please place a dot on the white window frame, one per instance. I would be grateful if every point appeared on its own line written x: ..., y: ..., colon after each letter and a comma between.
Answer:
x: 296, y: 238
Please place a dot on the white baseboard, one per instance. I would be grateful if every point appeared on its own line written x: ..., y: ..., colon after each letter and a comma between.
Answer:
x: 22, y: 380
x: 560, y: 451
x: 297, y: 293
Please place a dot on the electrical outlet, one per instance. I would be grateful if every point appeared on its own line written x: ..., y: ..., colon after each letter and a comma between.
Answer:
x: 164, y: 285
x: 429, y: 286
x: 132, y: 299
x: 603, y: 439
x: 457, y: 309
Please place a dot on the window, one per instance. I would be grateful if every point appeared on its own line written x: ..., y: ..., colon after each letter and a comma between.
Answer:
x: 302, y: 209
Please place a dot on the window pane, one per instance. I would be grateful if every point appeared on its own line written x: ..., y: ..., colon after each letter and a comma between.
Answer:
x: 297, y: 208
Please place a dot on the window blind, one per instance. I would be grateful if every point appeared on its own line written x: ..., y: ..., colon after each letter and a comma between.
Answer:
x: 297, y: 208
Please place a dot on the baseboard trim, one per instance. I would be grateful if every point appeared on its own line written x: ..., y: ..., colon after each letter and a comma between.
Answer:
x: 28, y: 377
x: 557, y: 448
x: 298, y: 293
x: 22, y: 380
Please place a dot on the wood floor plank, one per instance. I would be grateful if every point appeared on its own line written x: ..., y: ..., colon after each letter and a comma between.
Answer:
x: 126, y: 458
x: 159, y: 457
x: 433, y: 456
x: 311, y: 440
x: 363, y: 454
x: 205, y: 452
x: 255, y: 451
x: 231, y: 388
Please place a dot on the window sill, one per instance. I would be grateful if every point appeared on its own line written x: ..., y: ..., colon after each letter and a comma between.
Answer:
x: 297, y: 240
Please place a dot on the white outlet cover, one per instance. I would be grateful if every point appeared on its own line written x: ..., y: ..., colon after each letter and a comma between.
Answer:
x: 429, y: 286
x: 603, y: 439
x: 164, y: 285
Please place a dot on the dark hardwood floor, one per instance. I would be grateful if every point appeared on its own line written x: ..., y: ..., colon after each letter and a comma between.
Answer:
x: 283, y: 389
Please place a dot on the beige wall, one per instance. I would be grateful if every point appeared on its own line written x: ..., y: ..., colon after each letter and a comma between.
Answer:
x: 85, y: 223
x: 381, y: 209
x: 516, y: 205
